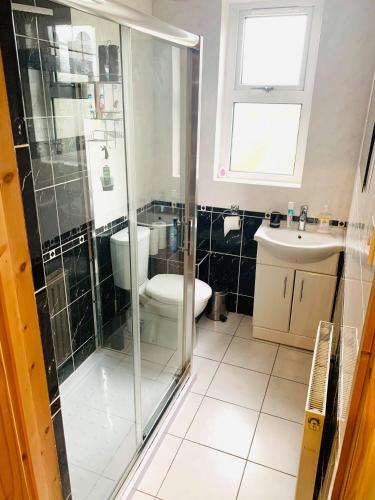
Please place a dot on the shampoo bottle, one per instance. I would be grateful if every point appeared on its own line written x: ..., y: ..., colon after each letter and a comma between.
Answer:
x: 289, y: 217
x: 324, y: 219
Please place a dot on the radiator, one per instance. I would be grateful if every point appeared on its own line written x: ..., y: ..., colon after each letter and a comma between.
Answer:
x: 315, y: 412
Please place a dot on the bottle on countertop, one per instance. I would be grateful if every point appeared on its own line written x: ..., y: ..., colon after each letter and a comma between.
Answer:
x: 324, y: 219
x: 289, y: 217
x: 173, y: 230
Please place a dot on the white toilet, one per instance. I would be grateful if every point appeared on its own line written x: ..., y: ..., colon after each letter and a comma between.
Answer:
x: 163, y: 293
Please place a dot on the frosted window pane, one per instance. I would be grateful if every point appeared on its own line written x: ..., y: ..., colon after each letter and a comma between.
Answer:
x: 273, y: 50
x: 264, y: 138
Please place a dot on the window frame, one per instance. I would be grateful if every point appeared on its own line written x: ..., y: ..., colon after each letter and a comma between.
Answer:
x: 233, y: 91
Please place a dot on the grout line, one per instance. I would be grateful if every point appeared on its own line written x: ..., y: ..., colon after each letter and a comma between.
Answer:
x: 271, y: 468
x: 256, y: 425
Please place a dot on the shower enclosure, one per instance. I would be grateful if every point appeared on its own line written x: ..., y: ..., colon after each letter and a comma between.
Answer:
x: 111, y: 106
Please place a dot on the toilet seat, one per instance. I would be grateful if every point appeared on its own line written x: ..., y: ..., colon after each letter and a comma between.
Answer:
x: 169, y: 289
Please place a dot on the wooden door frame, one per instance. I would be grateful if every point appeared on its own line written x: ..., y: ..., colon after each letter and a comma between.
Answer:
x: 25, y: 418
x: 355, y: 471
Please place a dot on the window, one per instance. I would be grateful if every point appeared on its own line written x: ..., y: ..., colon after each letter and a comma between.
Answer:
x: 270, y: 65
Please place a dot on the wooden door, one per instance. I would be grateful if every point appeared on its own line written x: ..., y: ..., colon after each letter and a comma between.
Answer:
x: 273, y: 297
x: 312, y: 302
x: 28, y: 461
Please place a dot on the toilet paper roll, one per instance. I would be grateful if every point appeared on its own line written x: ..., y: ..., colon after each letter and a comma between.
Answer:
x: 154, y: 240
x: 162, y: 230
x: 232, y: 223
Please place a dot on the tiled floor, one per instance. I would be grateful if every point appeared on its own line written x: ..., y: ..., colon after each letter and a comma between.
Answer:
x: 237, y: 434
x: 97, y: 403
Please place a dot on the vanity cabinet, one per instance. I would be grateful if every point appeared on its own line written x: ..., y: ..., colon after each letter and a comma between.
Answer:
x: 289, y: 303
x: 273, y: 297
x: 312, y: 302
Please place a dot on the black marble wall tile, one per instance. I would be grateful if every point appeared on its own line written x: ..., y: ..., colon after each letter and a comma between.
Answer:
x: 245, y: 305
x: 57, y: 299
x: 204, y: 230
x: 82, y: 320
x: 103, y: 249
x: 65, y: 370
x: 224, y: 272
x: 84, y: 352
x: 40, y: 154
x: 122, y: 297
x: 203, y: 269
x: 58, y: 428
x: 31, y: 219
x: 157, y: 266
x: 107, y: 298
x: 231, y: 243
x: 47, y: 214
x: 71, y: 206
x: 232, y: 302
x: 61, y: 337
x: 249, y: 245
x: 47, y: 344
x: 77, y: 269
x: 13, y: 84
x: 175, y: 267
x: 247, y: 276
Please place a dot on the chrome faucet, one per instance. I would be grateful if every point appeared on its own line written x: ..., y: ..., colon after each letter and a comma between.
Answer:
x: 302, y: 217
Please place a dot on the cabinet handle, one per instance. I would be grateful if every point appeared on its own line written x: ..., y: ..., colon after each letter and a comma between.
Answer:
x: 285, y: 282
x: 301, y: 291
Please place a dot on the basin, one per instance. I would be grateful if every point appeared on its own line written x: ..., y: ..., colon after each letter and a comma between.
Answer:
x: 300, y: 246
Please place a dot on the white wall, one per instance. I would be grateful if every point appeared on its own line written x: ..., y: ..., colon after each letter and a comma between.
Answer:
x: 343, y: 79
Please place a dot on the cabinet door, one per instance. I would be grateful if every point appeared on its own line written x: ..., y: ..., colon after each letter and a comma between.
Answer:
x: 312, y: 302
x: 273, y: 297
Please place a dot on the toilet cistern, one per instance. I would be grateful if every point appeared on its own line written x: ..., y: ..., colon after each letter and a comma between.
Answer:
x: 302, y: 217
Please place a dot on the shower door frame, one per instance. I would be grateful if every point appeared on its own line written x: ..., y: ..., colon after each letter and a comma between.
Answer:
x: 188, y: 223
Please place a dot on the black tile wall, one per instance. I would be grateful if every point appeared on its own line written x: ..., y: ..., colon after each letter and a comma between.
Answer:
x: 31, y: 218
x: 228, y: 262
x: 47, y: 343
x: 58, y: 428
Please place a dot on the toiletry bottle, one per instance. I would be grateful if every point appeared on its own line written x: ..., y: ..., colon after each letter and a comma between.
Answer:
x: 289, y: 217
x: 173, y: 236
x: 324, y: 219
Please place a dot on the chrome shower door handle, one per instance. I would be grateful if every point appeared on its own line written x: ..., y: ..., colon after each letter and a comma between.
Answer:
x: 301, y: 291
x: 285, y: 283
x: 185, y: 236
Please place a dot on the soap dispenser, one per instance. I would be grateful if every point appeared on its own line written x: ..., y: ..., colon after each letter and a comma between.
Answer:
x: 105, y: 178
x: 324, y: 219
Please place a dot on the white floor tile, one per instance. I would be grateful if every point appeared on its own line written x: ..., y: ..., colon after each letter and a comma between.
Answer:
x: 285, y: 399
x: 224, y: 426
x: 122, y: 456
x: 82, y: 481
x: 200, y: 473
x: 138, y: 495
x: 229, y: 326
x: 92, y: 436
x: 152, y: 394
x: 261, y: 483
x: 156, y: 353
x: 245, y: 329
x: 158, y: 468
x: 250, y: 354
x: 205, y: 370
x: 185, y: 415
x: 239, y: 386
x: 211, y: 345
x: 101, y: 490
x: 277, y: 444
x: 293, y: 365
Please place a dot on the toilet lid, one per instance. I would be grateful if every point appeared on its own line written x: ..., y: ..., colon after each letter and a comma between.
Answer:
x: 169, y: 288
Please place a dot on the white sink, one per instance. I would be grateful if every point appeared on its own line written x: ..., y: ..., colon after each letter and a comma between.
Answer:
x: 300, y: 246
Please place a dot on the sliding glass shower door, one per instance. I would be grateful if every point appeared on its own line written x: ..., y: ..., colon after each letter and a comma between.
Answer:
x: 158, y: 90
